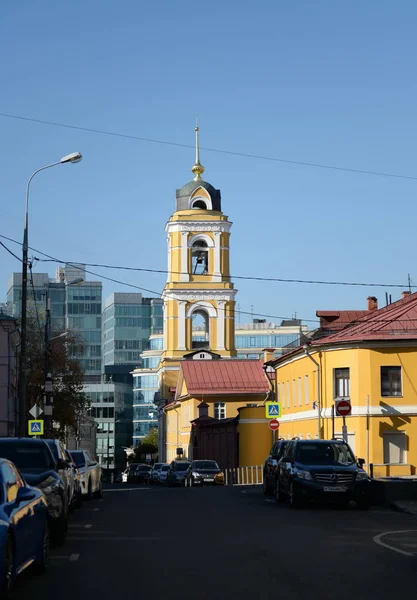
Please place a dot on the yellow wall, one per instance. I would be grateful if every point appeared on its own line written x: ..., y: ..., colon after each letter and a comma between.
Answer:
x: 255, y: 437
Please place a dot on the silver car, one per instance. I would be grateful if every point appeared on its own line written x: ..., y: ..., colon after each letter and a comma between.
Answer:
x: 91, y: 476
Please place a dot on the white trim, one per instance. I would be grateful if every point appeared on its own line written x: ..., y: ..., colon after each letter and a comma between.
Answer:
x: 201, y: 236
x: 245, y: 421
x: 193, y: 199
x: 199, y: 295
x: 184, y: 276
x: 198, y: 225
x: 217, y: 276
x: 181, y: 325
x: 204, y: 306
x: 220, y: 325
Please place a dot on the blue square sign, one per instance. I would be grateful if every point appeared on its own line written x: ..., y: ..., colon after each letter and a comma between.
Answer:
x: 273, y: 410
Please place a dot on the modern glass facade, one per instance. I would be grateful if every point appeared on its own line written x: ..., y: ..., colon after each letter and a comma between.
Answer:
x: 128, y: 321
x: 111, y: 407
x: 145, y: 387
x: 75, y: 307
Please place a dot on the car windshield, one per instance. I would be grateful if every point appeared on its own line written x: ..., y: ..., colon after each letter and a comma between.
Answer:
x: 26, y: 455
x: 143, y: 468
x: 53, y: 448
x: 78, y: 458
x: 181, y: 466
x: 157, y: 467
x: 164, y: 468
x: 325, y: 454
x: 205, y: 464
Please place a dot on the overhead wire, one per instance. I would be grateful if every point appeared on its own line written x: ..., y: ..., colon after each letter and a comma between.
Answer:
x: 35, y: 301
x: 207, y: 149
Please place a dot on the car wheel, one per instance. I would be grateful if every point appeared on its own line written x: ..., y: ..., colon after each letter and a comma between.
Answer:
x: 277, y: 492
x: 42, y: 562
x: 265, y: 486
x: 99, y: 493
x: 294, y: 497
x: 90, y: 491
x: 8, y: 570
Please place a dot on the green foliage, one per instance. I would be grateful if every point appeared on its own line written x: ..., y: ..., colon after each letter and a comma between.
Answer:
x: 69, y: 401
x: 148, y: 445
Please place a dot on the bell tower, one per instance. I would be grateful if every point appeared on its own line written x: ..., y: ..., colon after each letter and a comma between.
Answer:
x: 199, y: 297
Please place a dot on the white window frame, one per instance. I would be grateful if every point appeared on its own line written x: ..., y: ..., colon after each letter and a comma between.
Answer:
x: 401, y: 381
x: 220, y: 408
x: 385, y: 437
x: 294, y: 393
x: 300, y: 392
x: 306, y: 390
x: 346, y: 386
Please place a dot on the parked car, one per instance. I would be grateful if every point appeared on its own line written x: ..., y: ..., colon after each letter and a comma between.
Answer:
x: 64, y: 469
x: 142, y: 473
x: 24, y: 535
x: 322, y: 469
x: 153, y: 474
x: 176, y: 472
x: 36, y: 463
x: 270, y: 472
x: 91, y: 476
x: 77, y: 481
x: 161, y: 475
x: 203, y: 472
x: 129, y: 473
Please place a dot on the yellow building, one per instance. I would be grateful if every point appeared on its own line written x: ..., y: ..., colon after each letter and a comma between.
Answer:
x: 223, y: 387
x: 371, y: 363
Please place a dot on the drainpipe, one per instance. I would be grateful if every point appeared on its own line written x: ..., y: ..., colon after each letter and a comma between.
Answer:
x: 307, y: 353
x: 271, y: 393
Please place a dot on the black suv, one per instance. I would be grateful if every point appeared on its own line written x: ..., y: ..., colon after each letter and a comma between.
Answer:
x: 176, y: 472
x: 322, y: 469
x: 270, y: 472
x: 64, y: 470
x: 36, y: 462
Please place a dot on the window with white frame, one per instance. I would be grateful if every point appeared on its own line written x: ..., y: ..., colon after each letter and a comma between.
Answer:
x: 300, y: 392
x: 394, y: 448
x: 288, y: 395
x: 306, y: 396
x: 294, y: 393
x: 391, y: 381
x: 341, y: 383
x: 219, y: 410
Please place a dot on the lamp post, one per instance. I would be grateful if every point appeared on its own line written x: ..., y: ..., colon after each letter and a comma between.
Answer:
x: 70, y: 158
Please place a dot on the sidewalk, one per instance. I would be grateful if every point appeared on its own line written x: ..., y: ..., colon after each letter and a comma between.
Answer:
x: 407, y: 506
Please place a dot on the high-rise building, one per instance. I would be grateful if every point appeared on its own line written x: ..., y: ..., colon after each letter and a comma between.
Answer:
x: 75, y: 305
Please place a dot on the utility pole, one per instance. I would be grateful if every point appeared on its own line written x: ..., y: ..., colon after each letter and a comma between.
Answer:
x: 47, y: 368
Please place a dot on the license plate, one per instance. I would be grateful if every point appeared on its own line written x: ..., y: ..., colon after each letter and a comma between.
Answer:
x: 209, y: 479
x: 335, y: 488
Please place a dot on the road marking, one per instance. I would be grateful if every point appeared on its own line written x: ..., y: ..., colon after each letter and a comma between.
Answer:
x: 410, y: 545
x: 87, y: 526
x: 74, y: 557
x: 96, y: 509
x: 270, y: 500
x: 378, y: 540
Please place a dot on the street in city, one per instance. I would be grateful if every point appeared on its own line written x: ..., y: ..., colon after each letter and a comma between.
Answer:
x: 228, y: 542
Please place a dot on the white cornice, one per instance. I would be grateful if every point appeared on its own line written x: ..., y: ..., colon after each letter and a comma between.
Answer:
x: 357, y: 411
x: 196, y: 295
x: 197, y: 226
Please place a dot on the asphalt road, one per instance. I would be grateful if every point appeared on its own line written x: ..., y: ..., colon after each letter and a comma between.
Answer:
x: 226, y: 543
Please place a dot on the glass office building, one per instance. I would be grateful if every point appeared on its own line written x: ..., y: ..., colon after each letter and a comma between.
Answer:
x: 75, y: 305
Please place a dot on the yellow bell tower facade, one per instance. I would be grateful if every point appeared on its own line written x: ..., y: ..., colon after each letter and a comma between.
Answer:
x: 199, y: 297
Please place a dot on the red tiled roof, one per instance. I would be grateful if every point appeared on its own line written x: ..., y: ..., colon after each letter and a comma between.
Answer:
x: 215, y: 377
x: 338, y: 319
x: 397, y: 321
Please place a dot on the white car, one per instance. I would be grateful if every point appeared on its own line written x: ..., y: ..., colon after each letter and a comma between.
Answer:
x: 91, y: 477
x: 161, y: 475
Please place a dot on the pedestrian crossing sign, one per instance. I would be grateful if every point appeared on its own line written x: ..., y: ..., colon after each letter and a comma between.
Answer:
x: 273, y: 410
x: 36, y: 427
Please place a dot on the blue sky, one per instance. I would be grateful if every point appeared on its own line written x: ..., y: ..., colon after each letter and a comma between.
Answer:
x: 326, y: 82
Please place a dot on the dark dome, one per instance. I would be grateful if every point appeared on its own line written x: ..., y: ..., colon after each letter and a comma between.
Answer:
x: 184, y: 193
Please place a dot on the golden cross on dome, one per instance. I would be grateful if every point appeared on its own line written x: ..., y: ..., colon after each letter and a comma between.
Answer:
x: 197, y: 168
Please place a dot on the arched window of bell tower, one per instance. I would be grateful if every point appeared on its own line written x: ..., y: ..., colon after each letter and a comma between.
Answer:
x: 199, y: 203
x: 199, y: 257
x: 200, y: 329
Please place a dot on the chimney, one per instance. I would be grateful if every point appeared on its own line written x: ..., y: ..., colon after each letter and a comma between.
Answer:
x: 268, y: 354
x: 203, y: 409
x: 405, y: 294
x: 372, y: 303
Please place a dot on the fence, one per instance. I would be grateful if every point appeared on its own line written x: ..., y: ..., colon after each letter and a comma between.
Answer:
x: 244, y: 475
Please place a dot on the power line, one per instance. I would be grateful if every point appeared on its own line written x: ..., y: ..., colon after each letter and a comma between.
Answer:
x: 10, y: 252
x: 35, y: 301
x: 216, y: 150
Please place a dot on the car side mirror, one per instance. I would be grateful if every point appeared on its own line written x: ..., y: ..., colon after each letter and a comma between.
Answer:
x: 361, y: 462
x: 24, y: 494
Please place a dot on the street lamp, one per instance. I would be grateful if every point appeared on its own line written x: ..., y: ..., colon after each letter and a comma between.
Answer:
x: 70, y: 158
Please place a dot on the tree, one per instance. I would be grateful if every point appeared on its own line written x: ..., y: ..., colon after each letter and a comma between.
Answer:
x: 148, y: 445
x: 69, y: 401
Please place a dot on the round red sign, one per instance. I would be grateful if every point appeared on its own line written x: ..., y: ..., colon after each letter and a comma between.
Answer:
x: 343, y: 408
x: 273, y: 424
